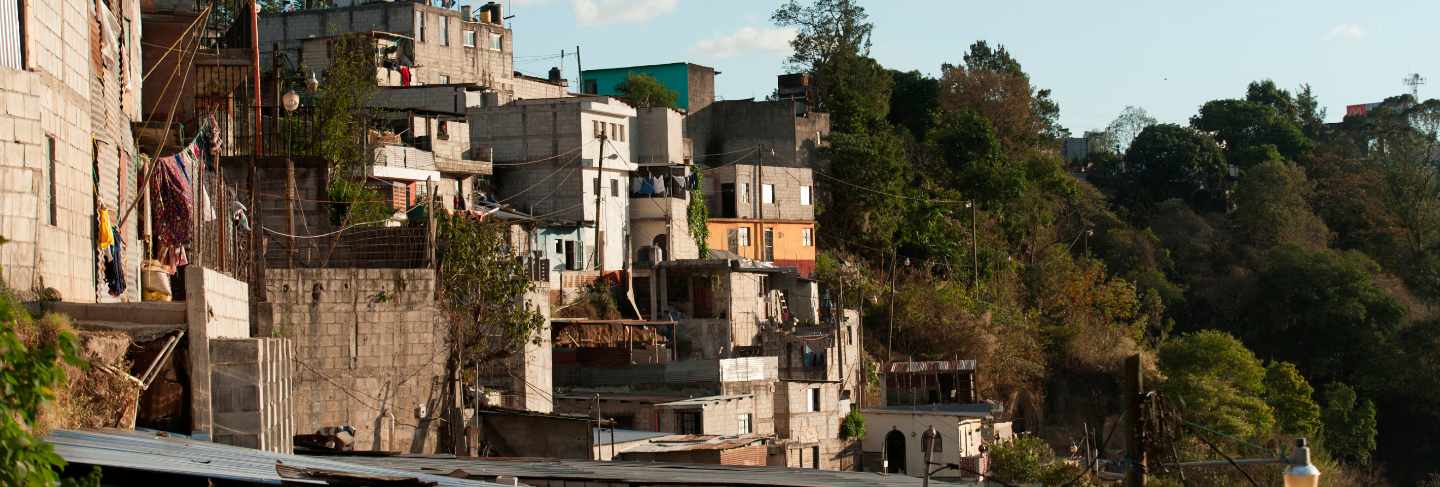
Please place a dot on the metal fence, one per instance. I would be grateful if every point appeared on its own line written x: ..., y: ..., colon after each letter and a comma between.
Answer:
x: 223, y: 228
x: 403, y: 247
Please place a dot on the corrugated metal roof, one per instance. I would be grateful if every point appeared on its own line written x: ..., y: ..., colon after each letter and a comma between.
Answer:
x: 624, y: 435
x: 931, y: 366
x: 973, y: 409
x: 679, y: 443
x: 645, y: 473
x: 148, y: 452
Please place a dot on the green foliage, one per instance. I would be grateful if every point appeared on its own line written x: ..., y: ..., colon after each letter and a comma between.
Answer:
x: 1241, y: 125
x: 353, y: 202
x: 1349, y: 424
x: 853, y: 426
x: 1272, y: 208
x: 1169, y: 161
x: 913, y: 102
x: 349, y: 83
x: 29, y: 377
x: 644, y: 91
x: 1219, y: 382
x: 825, y: 29
x: 483, y: 289
x: 877, y: 161
x: 697, y: 215
x: 1292, y: 398
x: 1028, y: 459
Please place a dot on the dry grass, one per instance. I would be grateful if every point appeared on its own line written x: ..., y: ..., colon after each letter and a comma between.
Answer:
x: 97, y: 394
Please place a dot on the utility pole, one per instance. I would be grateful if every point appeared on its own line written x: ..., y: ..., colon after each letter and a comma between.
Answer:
x: 929, y: 438
x: 579, y: 72
x: 974, y: 245
x: 1135, y: 461
x: 890, y: 342
x: 599, y: 188
x: 257, y: 254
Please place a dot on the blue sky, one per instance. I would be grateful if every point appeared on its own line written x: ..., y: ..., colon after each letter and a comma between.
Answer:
x: 1098, y: 56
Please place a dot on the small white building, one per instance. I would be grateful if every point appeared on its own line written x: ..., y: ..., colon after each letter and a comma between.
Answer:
x: 896, y: 436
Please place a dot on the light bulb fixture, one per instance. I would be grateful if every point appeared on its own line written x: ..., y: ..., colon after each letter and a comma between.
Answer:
x: 290, y: 100
x: 313, y: 83
x: 1300, y: 472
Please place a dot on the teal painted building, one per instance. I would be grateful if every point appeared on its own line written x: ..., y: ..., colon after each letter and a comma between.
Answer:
x: 694, y: 83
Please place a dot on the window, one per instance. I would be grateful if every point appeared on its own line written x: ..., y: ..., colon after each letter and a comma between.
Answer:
x: 599, y: 128
x: 688, y: 422
x: 444, y: 30
x: 620, y: 132
x: 444, y: 79
x: 742, y: 236
x: 805, y: 195
x: 615, y: 188
x: 468, y: 37
x: 12, y: 54
x: 591, y: 87
x: 559, y: 246
x: 812, y: 404
x: 595, y: 185
x: 767, y: 194
x: 745, y: 192
x: 51, y: 177
x: 419, y: 26
x: 926, y: 441
x: 495, y: 41
x: 743, y: 424
x: 807, y: 237
x: 444, y: 129
x: 769, y: 236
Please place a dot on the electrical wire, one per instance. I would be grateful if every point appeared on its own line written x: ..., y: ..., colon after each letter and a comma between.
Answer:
x: 876, y: 191
x: 537, y: 161
x: 323, y: 235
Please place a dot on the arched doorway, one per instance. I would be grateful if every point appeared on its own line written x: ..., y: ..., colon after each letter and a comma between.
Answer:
x: 895, y: 451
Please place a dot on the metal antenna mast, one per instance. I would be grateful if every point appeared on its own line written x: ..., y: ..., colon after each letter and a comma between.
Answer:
x: 1414, y: 81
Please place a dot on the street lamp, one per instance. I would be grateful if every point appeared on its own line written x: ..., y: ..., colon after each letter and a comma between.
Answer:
x: 1300, y: 472
x: 291, y: 100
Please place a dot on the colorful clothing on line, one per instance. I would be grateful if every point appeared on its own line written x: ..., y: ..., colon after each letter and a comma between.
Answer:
x: 107, y: 235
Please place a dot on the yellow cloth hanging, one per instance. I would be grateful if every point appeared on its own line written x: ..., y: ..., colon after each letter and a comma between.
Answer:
x: 106, y: 237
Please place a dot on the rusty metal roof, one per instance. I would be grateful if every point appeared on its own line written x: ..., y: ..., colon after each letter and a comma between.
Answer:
x: 679, y: 443
x: 931, y: 366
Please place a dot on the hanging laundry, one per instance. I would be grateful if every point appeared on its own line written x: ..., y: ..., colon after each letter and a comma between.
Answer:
x: 172, y: 204
x: 404, y: 76
x: 115, y: 266
x: 692, y: 182
x: 638, y: 183
x: 678, y: 184
x: 657, y: 185
x: 238, y: 216
x: 209, y: 206
x: 107, y: 237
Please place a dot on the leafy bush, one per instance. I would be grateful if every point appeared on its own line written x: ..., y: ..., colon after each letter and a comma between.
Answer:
x: 29, y: 377
x: 853, y: 426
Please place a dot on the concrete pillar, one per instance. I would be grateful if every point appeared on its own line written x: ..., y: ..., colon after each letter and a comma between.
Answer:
x: 198, y: 338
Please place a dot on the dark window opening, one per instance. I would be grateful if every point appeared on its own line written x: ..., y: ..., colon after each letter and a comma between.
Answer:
x: 688, y: 422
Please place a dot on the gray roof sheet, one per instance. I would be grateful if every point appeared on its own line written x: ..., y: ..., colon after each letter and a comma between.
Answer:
x: 149, y: 452
x: 931, y: 366
x: 624, y: 435
x: 644, y: 473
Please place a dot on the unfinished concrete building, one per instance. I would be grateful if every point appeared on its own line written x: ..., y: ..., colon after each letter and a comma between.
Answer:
x: 416, y: 44
x: 569, y: 159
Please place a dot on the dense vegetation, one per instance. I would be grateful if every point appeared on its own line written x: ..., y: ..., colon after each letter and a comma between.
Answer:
x: 1277, y: 272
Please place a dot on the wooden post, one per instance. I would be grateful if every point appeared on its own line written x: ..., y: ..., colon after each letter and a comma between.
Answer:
x: 1134, y: 390
x: 929, y: 438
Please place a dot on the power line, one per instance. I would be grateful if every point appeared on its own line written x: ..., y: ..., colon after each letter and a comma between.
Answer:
x: 876, y: 191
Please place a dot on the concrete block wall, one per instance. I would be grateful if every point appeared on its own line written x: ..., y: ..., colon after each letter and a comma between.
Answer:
x: 786, y: 127
x: 792, y: 420
x: 786, y: 181
x: 227, y: 305
x: 252, y: 404
x: 369, y: 349
x: 56, y: 97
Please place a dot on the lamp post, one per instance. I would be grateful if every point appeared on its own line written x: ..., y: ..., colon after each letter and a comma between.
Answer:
x: 1300, y: 472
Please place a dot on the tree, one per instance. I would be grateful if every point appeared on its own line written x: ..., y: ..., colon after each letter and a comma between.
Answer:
x: 1126, y: 127
x: 914, y: 101
x: 1244, y: 127
x: 1321, y: 310
x: 825, y: 28
x: 1267, y: 93
x: 1169, y: 161
x: 1292, y: 398
x: 869, y: 217
x: 1271, y: 208
x: 644, y: 91
x: 1311, y: 114
x: 856, y: 91
x: 483, y: 287
x: 1219, y: 381
x: 349, y: 84
x: 991, y: 83
x: 1349, y: 424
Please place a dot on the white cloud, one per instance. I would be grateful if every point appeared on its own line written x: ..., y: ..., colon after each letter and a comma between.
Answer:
x: 594, y: 12
x: 745, y: 40
x: 1349, y: 32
